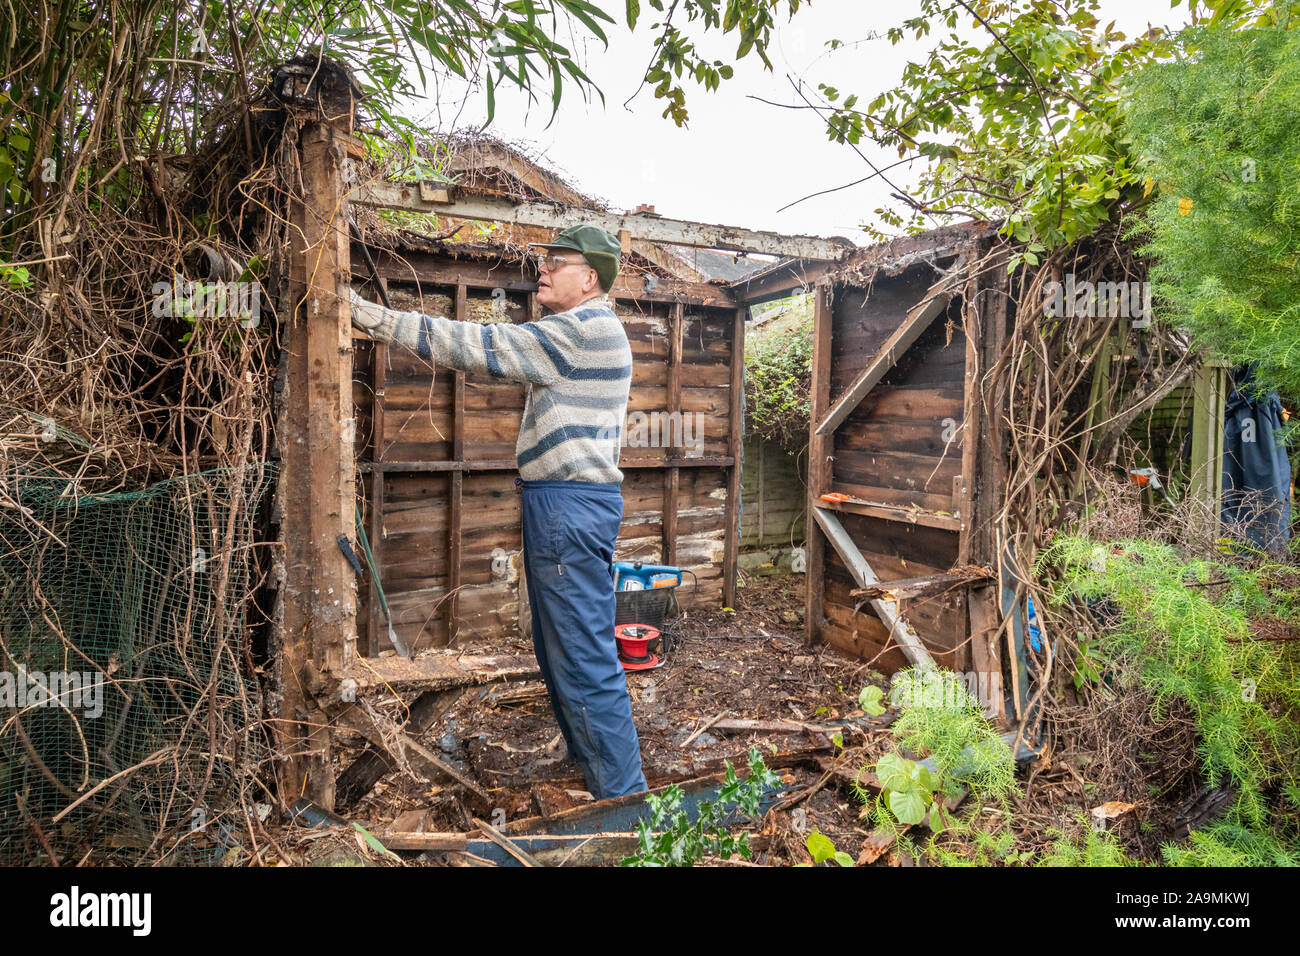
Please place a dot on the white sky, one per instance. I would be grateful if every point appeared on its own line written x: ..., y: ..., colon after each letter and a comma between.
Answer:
x: 739, y: 160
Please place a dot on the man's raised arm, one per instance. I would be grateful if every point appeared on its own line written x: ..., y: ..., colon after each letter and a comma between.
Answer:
x: 538, y: 352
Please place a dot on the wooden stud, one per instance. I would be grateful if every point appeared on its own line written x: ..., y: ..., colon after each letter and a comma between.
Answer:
x: 964, y: 487
x: 731, y: 546
x: 1210, y: 389
x: 454, y: 554
x: 982, y: 540
x: 672, y: 472
x: 378, y: 631
x: 818, y: 465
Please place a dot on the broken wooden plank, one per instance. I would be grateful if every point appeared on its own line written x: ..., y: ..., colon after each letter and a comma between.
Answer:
x: 798, y: 726
x: 406, y: 840
x: 917, y: 321
x: 875, y: 509
x: 545, y: 849
x: 440, y: 670
x: 434, y: 766
x: 925, y: 586
x: 514, y: 695
x: 899, y: 630
x: 464, y: 203
x: 374, y: 763
x: 506, y: 844
x: 702, y: 728
x: 780, y: 280
x: 624, y: 814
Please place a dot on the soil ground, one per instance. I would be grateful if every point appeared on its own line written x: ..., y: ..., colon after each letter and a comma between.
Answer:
x: 747, y: 663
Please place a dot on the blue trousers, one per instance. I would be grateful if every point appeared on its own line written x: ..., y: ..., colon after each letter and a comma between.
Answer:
x: 569, y: 532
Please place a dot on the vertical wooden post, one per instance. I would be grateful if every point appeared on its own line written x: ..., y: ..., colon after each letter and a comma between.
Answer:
x: 731, y: 546
x: 317, y: 435
x: 457, y: 484
x: 988, y: 331
x: 674, y: 401
x: 1209, y: 399
x: 378, y: 629
x: 818, y: 466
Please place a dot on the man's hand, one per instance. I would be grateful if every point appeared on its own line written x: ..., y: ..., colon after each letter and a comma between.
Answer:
x: 365, y: 315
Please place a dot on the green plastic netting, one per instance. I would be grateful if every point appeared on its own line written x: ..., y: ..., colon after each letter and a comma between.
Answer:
x: 126, y: 683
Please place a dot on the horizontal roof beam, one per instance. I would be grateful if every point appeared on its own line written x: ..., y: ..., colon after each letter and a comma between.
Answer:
x: 462, y: 203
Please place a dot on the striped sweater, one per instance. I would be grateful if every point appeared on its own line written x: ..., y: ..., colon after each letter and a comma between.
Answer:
x: 578, y: 366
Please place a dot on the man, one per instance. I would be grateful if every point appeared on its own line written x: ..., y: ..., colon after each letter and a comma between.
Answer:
x: 579, y: 368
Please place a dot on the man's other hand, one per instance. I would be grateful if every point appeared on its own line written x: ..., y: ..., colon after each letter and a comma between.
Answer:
x: 365, y: 315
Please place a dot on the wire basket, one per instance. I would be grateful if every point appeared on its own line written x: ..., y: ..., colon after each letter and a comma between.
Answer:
x: 653, y: 606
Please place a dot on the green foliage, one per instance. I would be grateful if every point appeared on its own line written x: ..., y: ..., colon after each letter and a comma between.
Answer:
x: 91, y: 88
x: 907, y: 789
x: 171, y: 66
x: 940, y: 718
x: 1017, y: 115
x: 778, y: 377
x: 964, y: 845
x: 1224, y: 844
x: 1216, y: 130
x: 671, y: 838
x: 1087, y: 665
x: 1095, y: 848
x: 1014, y: 113
x: 821, y: 848
x: 1184, y: 636
x: 870, y: 700
x: 675, y: 52
x: 15, y: 277
x: 942, y: 721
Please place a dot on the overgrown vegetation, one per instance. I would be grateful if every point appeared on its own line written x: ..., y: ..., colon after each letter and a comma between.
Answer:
x: 778, y: 376
x: 955, y: 749
x: 1217, y: 137
x: 1188, y: 633
x: 674, y: 837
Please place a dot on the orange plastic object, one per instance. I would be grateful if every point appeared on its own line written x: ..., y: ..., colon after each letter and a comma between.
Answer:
x: 835, y: 496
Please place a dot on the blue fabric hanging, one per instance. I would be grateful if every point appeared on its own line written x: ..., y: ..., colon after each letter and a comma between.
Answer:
x: 1256, y: 469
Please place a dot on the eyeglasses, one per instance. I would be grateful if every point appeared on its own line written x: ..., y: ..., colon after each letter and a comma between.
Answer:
x: 550, y: 263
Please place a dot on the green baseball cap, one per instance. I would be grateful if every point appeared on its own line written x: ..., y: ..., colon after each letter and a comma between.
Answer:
x: 598, y: 246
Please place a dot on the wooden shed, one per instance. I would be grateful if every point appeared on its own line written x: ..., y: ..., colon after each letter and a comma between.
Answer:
x: 909, y: 553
